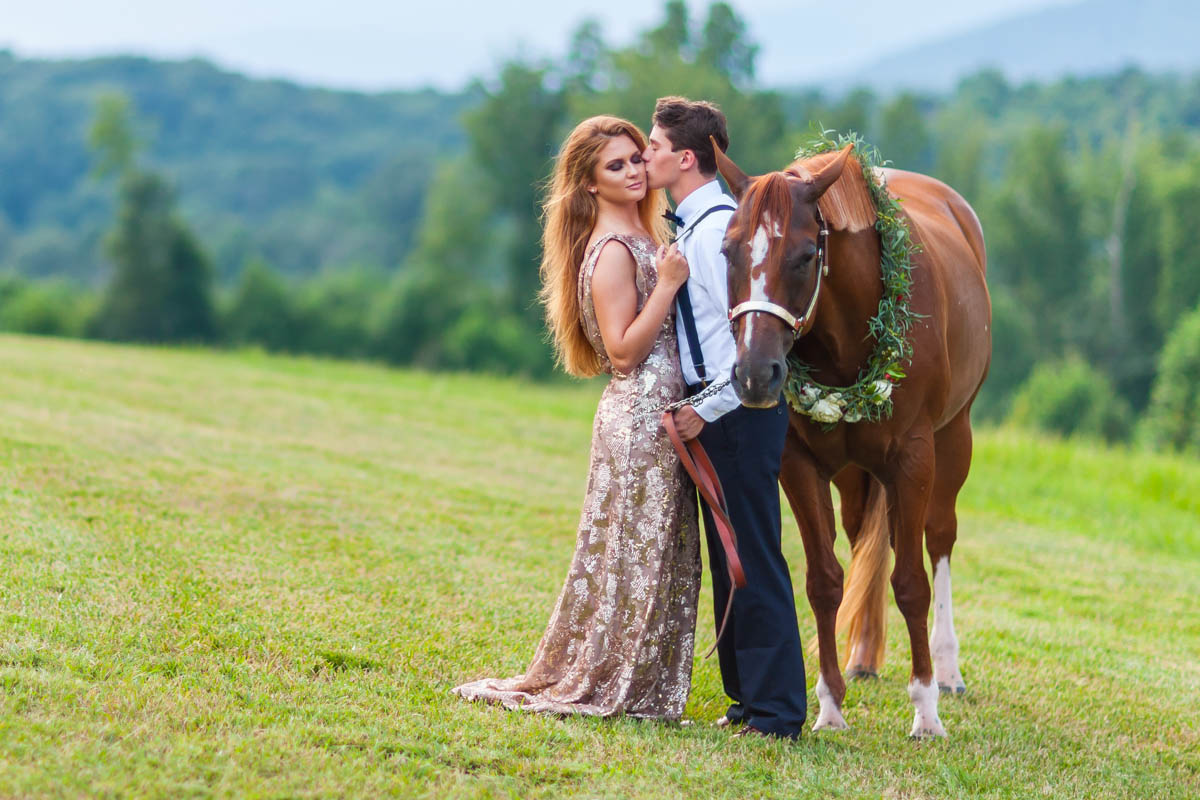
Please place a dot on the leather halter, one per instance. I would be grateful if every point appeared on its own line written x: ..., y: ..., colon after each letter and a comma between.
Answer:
x: 796, y: 324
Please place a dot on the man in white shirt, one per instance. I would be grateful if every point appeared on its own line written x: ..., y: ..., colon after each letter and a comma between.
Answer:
x: 762, y: 662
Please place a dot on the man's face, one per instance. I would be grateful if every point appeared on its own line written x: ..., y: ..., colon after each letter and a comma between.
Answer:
x: 662, y: 162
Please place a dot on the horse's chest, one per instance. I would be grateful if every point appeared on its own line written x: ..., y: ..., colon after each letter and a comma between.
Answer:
x: 872, y: 446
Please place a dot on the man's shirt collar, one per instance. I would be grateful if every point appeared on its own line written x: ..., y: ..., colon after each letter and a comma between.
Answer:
x: 699, y: 201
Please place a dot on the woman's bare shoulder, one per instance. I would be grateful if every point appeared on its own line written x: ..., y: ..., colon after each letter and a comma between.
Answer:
x: 615, y: 263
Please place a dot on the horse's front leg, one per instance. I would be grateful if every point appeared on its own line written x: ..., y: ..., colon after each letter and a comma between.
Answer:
x: 909, y: 487
x: 808, y: 494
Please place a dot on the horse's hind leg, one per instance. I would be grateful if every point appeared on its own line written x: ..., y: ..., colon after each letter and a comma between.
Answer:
x: 952, y: 446
x: 909, y: 486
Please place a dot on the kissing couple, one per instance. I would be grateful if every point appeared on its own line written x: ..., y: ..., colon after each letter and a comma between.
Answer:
x: 622, y: 298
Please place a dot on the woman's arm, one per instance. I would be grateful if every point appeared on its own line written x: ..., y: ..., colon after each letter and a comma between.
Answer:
x: 629, y: 336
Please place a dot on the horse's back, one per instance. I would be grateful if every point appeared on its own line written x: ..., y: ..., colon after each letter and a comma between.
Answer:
x: 953, y: 288
x: 938, y: 210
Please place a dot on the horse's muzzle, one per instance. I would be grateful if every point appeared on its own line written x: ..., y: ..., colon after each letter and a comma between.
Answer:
x: 758, y: 384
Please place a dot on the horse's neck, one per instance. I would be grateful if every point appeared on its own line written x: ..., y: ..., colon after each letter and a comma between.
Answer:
x: 839, y: 343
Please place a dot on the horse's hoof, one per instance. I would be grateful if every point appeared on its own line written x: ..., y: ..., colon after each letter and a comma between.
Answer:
x: 830, y: 719
x: 926, y: 733
x: 861, y: 673
x: 946, y: 688
x: 833, y: 725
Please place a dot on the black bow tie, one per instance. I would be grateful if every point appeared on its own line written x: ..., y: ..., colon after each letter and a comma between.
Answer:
x: 673, y: 218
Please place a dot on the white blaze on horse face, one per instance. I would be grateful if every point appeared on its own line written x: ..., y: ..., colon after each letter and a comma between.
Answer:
x: 944, y: 644
x: 830, y: 717
x: 924, y: 698
x: 760, y: 246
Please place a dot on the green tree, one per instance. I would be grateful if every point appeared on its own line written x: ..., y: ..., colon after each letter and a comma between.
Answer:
x: 1135, y: 253
x: 334, y: 310
x: 1172, y: 420
x: 673, y: 34
x: 587, y: 62
x: 1038, y: 245
x: 111, y: 138
x: 854, y: 113
x: 1014, y: 353
x: 161, y: 288
x: 726, y: 47
x: 985, y: 93
x: 457, y: 270
x: 47, y: 308
x: 904, y: 136
x: 959, y: 161
x: 513, y: 135
x: 1179, y: 289
x: 262, y: 310
x: 1070, y: 398
x: 393, y: 197
x: 666, y: 62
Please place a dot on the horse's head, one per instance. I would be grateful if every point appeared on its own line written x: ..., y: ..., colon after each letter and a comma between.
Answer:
x: 773, y: 246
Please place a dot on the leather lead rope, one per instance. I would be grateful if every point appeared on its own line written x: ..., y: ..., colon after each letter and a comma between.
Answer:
x: 702, y: 472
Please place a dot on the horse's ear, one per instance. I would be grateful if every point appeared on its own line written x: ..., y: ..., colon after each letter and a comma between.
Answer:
x: 737, y: 180
x: 831, y: 172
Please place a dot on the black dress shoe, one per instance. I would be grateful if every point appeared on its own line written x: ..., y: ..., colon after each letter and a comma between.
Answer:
x: 749, y: 731
x: 736, y: 715
x: 757, y: 733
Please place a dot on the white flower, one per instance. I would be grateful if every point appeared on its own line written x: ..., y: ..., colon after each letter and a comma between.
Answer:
x: 811, y: 393
x: 883, y: 390
x: 825, y: 411
x: 836, y: 398
x: 853, y: 415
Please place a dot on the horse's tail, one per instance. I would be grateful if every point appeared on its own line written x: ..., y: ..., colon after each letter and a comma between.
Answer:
x: 863, y: 611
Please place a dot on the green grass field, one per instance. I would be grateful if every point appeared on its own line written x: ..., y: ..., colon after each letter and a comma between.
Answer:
x: 240, y: 575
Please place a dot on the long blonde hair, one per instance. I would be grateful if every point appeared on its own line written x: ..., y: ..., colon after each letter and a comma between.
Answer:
x: 569, y: 210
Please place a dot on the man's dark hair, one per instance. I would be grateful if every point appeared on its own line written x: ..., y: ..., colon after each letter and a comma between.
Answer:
x: 688, y: 124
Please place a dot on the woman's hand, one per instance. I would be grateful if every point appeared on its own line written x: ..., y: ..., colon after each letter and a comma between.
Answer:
x: 672, y: 266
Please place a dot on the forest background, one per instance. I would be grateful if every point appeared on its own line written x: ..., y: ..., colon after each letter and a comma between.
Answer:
x: 174, y: 202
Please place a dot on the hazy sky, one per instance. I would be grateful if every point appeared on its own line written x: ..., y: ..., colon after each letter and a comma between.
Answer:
x: 374, y: 44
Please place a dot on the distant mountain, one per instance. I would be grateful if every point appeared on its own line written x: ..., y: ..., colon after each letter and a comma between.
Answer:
x: 1087, y: 38
x: 303, y: 177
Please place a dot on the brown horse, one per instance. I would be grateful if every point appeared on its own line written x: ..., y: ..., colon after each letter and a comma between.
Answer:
x: 897, y: 476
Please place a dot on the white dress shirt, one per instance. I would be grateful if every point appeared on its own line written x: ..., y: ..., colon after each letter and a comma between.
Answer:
x: 708, y: 288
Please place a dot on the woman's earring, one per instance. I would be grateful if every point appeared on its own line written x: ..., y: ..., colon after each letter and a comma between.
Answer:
x: 592, y: 189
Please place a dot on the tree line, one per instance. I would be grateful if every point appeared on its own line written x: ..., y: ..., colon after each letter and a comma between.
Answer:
x: 1086, y: 188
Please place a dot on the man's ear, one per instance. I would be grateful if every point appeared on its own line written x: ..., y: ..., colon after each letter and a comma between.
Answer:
x: 687, y: 159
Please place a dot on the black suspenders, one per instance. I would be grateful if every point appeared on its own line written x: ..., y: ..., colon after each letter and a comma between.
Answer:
x: 685, y: 306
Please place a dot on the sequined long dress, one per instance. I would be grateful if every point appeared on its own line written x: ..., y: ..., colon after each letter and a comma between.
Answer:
x: 621, y: 636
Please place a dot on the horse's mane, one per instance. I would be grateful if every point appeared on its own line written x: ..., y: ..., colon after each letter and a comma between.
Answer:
x: 769, y: 199
x: 847, y: 205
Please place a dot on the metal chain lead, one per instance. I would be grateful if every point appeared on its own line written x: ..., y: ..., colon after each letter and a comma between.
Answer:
x: 707, y: 392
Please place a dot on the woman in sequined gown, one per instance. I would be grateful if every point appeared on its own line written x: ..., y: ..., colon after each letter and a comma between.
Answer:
x: 621, y: 635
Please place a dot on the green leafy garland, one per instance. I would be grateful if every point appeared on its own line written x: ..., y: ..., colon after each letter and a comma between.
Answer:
x: 870, y: 397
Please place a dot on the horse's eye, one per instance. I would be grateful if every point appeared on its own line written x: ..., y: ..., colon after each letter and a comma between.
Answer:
x: 805, y: 258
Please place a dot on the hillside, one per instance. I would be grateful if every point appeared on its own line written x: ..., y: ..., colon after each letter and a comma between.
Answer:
x: 231, y: 574
x: 299, y: 175
x: 1085, y: 38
